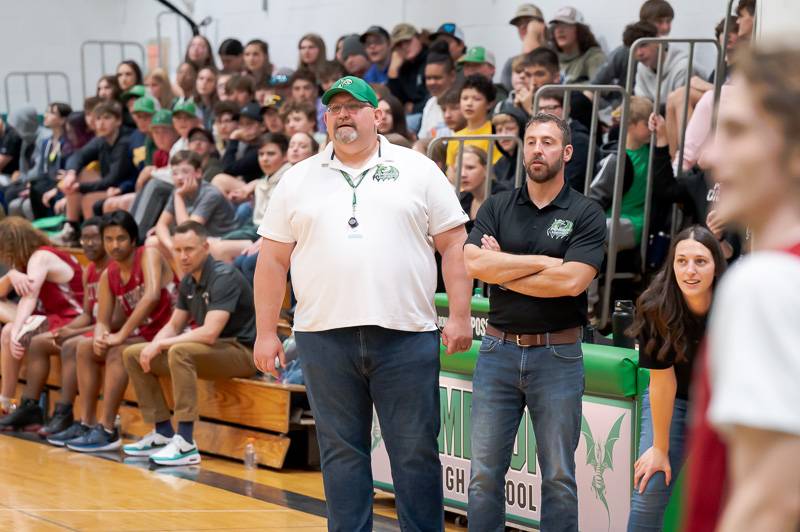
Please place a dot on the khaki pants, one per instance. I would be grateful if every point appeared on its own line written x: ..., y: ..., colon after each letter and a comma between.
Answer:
x: 184, y: 363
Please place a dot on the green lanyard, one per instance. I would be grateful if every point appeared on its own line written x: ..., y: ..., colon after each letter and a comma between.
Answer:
x: 352, y: 222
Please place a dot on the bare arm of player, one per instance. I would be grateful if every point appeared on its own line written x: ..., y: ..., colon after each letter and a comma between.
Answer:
x: 496, y: 267
x: 151, y: 271
x: 764, y: 471
x: 457, y: 333
x: 38, y: 267
x: 105, y: 310
x: 569, y: 279
x: 162, y: 229
x: 663, y: 386
x: 270, y: 285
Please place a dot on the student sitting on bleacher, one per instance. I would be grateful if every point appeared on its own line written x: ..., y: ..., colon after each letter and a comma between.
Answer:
x: 219, y: 301
x: 192, y: 199
x: 61, y: 341
x: 111, y: 149
x: 48, y: 283
x: 640, y: 123
x: 140, y: 282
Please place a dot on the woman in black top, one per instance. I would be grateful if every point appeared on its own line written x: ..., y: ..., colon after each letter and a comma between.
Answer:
x: 670, y: 323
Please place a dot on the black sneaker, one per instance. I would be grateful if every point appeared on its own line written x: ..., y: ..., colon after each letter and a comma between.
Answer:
x: 76, y: 430
x: 96, y: 440
x: 62, y: 419
x: 27, y: 417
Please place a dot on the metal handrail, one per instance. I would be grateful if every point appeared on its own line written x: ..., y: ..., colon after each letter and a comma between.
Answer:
x: 595, y: 90
x: 26, y: 75
x: 103, y: 44
x: 163, y: 61
x: 490, y: 177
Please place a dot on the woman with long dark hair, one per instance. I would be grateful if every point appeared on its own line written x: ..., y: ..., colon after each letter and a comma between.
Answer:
x: 670, y: 322
x: 394, y: 118
x: 199, y: 53
x: 205, y: 95
x: 311, y: 52
x: 256, y: 60
x: 129, y: 74
x: 108, y: 88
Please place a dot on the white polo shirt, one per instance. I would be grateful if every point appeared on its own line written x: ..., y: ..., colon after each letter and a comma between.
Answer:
x: 381, y: 273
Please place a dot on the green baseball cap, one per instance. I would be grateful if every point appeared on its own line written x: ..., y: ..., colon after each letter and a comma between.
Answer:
x: 162, y: 117
x: 477, y: 54
x: 145, y: 104
x: 355, y: 87
x: 186, y: 107
x: 137, y: 91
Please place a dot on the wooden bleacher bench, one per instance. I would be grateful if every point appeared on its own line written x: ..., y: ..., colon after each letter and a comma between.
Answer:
x: 275, y: 415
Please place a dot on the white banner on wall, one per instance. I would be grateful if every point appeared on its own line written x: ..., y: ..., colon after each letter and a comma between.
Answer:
x: 603, y: 460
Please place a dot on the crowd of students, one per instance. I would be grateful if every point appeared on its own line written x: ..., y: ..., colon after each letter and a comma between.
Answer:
x: 155, y: 177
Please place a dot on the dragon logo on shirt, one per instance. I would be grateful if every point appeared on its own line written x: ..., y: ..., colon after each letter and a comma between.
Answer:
x: 385, y: 173
x: 560, y: 229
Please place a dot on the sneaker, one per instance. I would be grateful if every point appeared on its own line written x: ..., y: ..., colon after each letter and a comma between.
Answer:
x: 35, y: 324
x: 27, y: 416
x: 177, y: 452
x: 62, y: 420
x: 152, y: 443
x: 67, y: 237
x: 96, y: 440
x: 76, y: 430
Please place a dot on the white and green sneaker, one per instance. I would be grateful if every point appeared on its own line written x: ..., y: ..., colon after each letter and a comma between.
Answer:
x: 177, y: 452
x: 151, y: 443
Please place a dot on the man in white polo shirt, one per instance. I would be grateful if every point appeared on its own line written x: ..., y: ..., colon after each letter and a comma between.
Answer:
x: 359, y: 224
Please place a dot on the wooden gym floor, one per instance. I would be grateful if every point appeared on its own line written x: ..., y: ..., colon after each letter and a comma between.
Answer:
x: 44, y: 488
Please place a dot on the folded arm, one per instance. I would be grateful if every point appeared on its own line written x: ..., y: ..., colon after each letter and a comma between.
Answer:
x: 497, y: 267
x: 567, y: 280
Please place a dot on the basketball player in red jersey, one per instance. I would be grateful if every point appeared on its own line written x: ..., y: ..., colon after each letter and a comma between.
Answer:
x: 48, y: 283
x: 747, y: 405
x: 140, y: 281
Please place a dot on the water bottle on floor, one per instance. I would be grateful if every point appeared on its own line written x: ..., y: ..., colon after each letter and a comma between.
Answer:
x: 250, y: 457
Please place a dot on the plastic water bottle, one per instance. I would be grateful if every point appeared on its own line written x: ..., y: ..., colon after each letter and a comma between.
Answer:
x: 621, y: 320
x: 250, y: 457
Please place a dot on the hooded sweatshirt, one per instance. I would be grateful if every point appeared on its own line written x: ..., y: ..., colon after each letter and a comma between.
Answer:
x: 26, y: 124
x: 674, y: 73
x: 505, y: 168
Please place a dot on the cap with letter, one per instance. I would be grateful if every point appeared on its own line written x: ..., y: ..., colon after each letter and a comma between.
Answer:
x: 478, y: 54
x: 162, y: 117
x: 355, y: 87
x: 145, y: 104
x: 185, y: 107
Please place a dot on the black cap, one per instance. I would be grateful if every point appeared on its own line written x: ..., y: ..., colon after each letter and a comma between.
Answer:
x: 231, y: 47
x: 374, y: 30
x: 252, y: 111
x: 206, y: 133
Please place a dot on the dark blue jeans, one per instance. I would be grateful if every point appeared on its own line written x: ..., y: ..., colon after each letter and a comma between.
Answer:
x: 647, y: 509
x: 347, y: 371
x: 549, y: 381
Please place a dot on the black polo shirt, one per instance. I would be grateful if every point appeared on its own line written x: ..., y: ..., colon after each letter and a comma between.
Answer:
x: 221, y: 287
x: 572, y: 227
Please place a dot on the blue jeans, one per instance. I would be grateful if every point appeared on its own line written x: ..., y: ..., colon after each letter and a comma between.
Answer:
x: 549, y: 380
x: 346, y: 372
x: 647, y: 509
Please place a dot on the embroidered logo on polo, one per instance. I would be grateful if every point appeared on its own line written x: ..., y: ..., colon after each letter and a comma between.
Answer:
x: 560, y: 229
x: 385, y: 173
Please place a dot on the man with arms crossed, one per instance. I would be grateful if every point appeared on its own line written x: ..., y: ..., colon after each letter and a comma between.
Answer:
x: 359, y: 223
x: 540, y: 245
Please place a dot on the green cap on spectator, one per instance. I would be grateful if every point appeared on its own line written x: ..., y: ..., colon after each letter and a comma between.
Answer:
x: 355, y: 87
x: 186, y: 107
x: 477, y: 54
x: 145, y: 104
x: 162, y: 117
x: 137, y: 91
